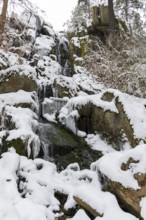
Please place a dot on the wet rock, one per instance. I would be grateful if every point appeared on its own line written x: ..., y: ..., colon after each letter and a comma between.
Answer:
x: 18, y: 144
x: 65, y: 147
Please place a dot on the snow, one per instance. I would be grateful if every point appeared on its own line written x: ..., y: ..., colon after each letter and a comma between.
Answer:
x: 135, y: 110
x: 110, y: 166
x: 79, y: 215
x: 50, y: 68
x: 103, y: 202
x: 16, y: 98
x: 22, y: 70
x: 87, y: 82
x: 28, y: 187
x: 69, y: 113
x: 25, y: 126
x: 49, y: 30
x: 143, y: 205
x: 44, y: 43
x: 98, y: 2
x: 24, y: 120
x: 96, y: 143
x: 39, y: 180
x: 76, y: 41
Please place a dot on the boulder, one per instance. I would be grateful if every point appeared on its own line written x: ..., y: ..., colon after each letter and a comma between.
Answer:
x: 13, y: 80
x: 65, y: 86
x: 47, y: 29
x: 110, y: 113
x: 19, y: 123
x: 19, y: 131
x: 127, y: 181
x: 64, y: 147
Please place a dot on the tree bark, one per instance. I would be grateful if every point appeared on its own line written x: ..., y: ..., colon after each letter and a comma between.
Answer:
x: 112, y: 20
x: 126, y: 10
x: 3, y: 19
x: 113, y: 27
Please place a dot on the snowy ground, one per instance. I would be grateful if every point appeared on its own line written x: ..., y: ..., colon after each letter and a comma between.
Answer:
x: 38, y: 180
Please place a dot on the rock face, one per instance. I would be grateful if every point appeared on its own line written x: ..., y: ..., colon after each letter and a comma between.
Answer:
x: 108, y: 114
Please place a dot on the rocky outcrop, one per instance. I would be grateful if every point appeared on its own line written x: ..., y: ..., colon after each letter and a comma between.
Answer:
x: 65, y: 86
x: 19, y: 123
x: 129, y: 191
x: 110, y: 115
x: 17, y: 82
x: 15, y: 79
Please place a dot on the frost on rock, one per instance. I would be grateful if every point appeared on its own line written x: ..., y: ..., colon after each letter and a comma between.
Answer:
x: 96, y: 143
x: 22, y: 70
x: 43, y: 45
x: 18, y: 121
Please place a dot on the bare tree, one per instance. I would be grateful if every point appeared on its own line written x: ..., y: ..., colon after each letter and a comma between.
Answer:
x: 3, y: 19
x: 113, y: 27
x: 112, y: 20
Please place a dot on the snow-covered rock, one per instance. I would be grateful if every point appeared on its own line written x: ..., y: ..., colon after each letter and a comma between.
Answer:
x: 122, y: 114
x: 124, y: 174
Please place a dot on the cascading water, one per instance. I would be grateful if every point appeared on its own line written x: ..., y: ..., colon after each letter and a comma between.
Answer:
x: 51, y: 104
x: 63, y: 54
x: 43, y: 130
x: 63, y: 57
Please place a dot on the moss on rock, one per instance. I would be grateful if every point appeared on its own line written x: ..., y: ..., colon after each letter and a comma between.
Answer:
x: 17, y: 144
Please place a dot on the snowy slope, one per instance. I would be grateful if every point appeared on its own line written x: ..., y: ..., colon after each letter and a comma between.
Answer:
x: 33, y: 189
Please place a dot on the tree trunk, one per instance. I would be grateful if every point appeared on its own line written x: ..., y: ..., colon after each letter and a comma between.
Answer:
x: 112, y: 25
x: 126, y: 10
x: 112, y: 20
x: 3, y: 19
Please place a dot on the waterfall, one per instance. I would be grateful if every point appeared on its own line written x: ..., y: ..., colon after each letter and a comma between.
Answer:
x: 62, y: 55
x: 54, y: 91
x: 48, y: 105
x: 46, y: 145
x: 45, y: 148
x: 52, y: 105
x: 48, y: 99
